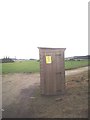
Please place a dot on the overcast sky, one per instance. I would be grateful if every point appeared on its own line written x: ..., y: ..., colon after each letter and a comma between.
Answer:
x: 28, y: 24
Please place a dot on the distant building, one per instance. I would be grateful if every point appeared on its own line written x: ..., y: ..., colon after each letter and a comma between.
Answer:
x: 87, y: 57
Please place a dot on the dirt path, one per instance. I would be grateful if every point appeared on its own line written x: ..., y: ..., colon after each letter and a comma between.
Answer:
x: 13, y: 84
x: 76, y: 71
x: 18, y: 90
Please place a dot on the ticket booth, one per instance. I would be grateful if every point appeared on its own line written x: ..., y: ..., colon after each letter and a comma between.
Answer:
x: 52, y: 71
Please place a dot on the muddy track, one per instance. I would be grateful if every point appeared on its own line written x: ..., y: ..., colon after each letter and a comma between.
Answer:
x: 18, y: 89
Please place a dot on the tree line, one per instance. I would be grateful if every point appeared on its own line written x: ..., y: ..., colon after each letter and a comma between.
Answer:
x: 7, y: 60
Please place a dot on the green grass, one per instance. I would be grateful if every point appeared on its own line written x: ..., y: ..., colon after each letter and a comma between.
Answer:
x: 0, y: 68
x: 34, y: 66
x: 76, y: 64
x: 20, y: 67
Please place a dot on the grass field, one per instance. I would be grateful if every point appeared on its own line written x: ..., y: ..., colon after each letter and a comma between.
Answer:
x: 0, y: 68
x: 21, y: 66
x: 33, y: 66
x: 76, y: 64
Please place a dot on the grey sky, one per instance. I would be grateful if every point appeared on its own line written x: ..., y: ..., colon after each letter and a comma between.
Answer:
x: 28, y: 24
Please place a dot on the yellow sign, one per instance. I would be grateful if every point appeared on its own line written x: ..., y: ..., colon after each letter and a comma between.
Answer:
x: 48, y: 59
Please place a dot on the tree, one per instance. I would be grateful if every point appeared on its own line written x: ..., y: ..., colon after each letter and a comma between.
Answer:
x: 7, y: 60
